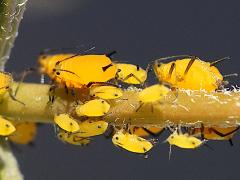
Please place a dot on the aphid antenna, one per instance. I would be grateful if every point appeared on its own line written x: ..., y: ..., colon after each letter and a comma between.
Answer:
x: 230, y: 75
x: 170, y: 152
x: 55, y: 50
x: 219, y: 60
x: 110, y: 54
x: 173, y: 57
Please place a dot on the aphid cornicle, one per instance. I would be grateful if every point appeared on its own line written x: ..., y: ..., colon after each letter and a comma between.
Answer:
x: 72, y: 138
x: 189, y: 73
x: 131, y: 74
x: 6, y: 127
x: 90, y: 128
x: 66, y: 122
x: 106, y: 92
x: 152, y: 94
x: 131, y: 142
x: 93, y: 108
x: 25, y: 133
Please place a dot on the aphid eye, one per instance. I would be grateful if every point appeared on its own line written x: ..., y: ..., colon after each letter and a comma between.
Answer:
x: 116, y: 95
x: 58, y: 73
x: 171, y: 137
x: 158, y: 65
x: 54, y: 70
x: 44, y: 56
x: 116, y: 138
x: 193, y: 143
x: 71, y: 124
x: 90, y: 122
x: 119, y: 70
x: 99, y: 127
x: 7, y: 125
x: 103, y: 102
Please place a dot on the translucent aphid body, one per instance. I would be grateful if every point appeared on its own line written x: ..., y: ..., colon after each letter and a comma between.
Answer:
x: 106, y: 92
x: 66, y: 122
x: 189, y: 73
x: 6, y: 127
x: 185, y: 141
x: 25, y: 133
x: 131, y: 142
x: 130, y: 73
x: 72, y: 138
x: 90, y: 128
x: 93, y: 108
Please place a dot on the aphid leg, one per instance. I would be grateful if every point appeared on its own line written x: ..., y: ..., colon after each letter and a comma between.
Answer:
x: 101, y: 83
x: 23, y: 76
x: 132, y: 75
x: 51, y: 96
x: 148, y: 69
x: 230, y: 142
x: 66, y: 89
x: 209, y: 147
x: 152, y: 133
x: 222, y: 134
x: 219, y: 60
x: 11, y: 94
x: 139, y: 107
x: 202, y: 132
x: 109, y: 133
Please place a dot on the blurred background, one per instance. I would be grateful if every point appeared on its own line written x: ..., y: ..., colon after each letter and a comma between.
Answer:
x: 140, y: 31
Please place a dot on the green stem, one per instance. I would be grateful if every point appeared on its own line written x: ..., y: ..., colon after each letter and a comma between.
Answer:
x: 216, y: 108
x: 11, y: 13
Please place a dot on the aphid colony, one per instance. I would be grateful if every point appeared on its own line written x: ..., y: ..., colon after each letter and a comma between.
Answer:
x: 102, y: 78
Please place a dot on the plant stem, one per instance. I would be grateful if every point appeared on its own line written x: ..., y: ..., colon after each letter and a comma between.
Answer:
x: 216, y: 108
x: 11, y: 13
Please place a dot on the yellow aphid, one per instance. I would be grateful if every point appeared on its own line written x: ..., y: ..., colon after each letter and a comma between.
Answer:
x: 106, y: 92
x: 80, y: 71
x: 184, y: 140
x: 144, y: 132
x: 72, y: 138
x: 93, y: 108
x: 152, y: 94
x: 131, y: 74
x: 189, y: 73
x: 25, y: 133
x: 6, y: 127
x: 89, y: 128
x: 131, y: 142
x: 66, y: 122
x: 5, y: 82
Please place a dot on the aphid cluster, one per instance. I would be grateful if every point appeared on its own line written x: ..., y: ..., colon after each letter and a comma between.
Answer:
x: 103, y: 79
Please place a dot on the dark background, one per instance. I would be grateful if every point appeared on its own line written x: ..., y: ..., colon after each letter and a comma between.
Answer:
x: 140, y: 31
